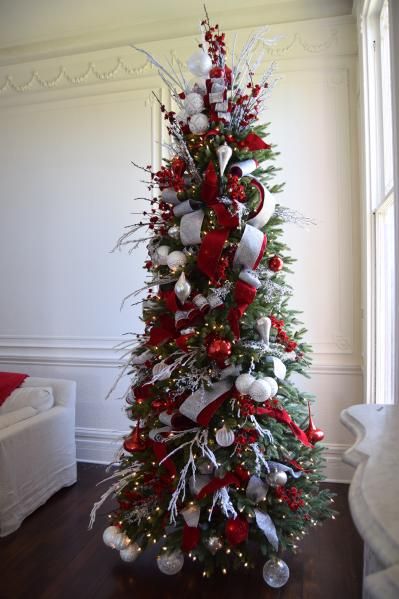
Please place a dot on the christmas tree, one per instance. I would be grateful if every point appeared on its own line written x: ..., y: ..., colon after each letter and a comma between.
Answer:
x: 222, y: 456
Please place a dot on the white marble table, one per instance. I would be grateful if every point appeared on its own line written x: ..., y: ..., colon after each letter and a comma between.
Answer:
x: 374, y: 494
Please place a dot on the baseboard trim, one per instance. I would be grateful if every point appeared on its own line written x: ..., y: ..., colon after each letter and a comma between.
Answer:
x: 100, y: 446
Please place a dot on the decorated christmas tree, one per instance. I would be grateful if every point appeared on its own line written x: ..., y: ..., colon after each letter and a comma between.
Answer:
x: 221, y: 462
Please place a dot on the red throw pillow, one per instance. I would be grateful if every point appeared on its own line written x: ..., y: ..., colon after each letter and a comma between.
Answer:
x: 9, y: 381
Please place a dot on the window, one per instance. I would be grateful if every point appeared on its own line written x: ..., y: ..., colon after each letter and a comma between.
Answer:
x: 381, y: 204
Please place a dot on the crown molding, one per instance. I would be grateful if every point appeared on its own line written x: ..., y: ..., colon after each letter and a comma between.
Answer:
x: 31, y: 73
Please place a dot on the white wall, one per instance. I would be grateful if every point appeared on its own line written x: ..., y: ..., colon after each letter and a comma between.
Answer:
x: 67, y: 137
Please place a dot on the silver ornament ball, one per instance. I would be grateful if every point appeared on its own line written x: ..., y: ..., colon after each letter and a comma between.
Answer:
x: 170, y: 563
x: 130, y: 553
x: 121, y: 541
x: 275, y: 573
x: 277, y: 478
x: 174, y: 232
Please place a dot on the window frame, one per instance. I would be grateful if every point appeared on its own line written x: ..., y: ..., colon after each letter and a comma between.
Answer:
x: 375, y: 197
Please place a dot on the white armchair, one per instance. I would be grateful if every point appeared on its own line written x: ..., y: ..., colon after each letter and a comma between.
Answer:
x: 37, y: 455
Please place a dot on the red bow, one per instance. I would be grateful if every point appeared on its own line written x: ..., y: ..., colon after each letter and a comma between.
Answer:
x: 218, y: 483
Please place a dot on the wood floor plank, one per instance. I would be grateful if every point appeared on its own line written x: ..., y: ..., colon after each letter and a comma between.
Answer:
x: 54, y: 556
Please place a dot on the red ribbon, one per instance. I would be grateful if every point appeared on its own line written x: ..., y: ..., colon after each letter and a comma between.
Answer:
x: 163, y: 331
x: 210, y: 252
x: 254, y: 142
x: 191, y: 537
x: 218, y: 483
x: 205, y: 416
x: 282, y: 416
x: 160, y: 452
x: 244, y: 295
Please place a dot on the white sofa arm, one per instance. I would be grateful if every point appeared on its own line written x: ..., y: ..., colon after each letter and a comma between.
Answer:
x: 64, y: 391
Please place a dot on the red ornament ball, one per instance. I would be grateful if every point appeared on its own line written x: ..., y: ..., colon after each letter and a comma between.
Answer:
x: 219, y: 350
x: 275, y: 263
x: 236, y: 531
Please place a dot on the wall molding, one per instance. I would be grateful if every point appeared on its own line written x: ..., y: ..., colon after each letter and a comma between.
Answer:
x: 102, y: 352
x: 100, y: 446
x: 24, y: 73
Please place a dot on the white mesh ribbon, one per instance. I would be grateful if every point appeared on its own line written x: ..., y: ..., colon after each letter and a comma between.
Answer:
x: 266, y: 525
x: 190, y: 228
x: 250, y: 247
x: 202, y: 398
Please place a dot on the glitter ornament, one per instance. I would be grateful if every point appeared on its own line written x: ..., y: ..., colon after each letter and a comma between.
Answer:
x: 275, y: 263
x: 130, y: 553
x: 275, y: 573
x: 161, y: 255
x: 170, y: 563
x: 224, y: 436
x: 182, y: 288
x: 224, y: 153
x: 120, y: 541
x: 198, y: 123
x: 243, y: 383
x: 174, y: 232
x: 273, y: 385
x: 263, y: 326
x: 277, y: 478
x: 205, y: 466
x: 214, y: 544
x: 260, y: 390
x: 199, y: 64
x: 176, y: 260
x: 219, y: 350
x: 110, y: 535
x: 193, y: 104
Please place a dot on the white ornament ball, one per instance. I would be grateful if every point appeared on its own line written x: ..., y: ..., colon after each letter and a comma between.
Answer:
x: 170, y: 563
x: 110, y: 534
x: 130, y: 553
x: 199, y: 64
x: 273, y: 384
x: 225, y: 436
x: 197, y: 85
x: 198, y: 123
x: 243, y: 383
x: 176, y: 259
x: 193, y: 103
x: 161, y: 254
x: 260, y: 390
x: 275, y: 573
x: 182, y: 117
x: 121, y: 541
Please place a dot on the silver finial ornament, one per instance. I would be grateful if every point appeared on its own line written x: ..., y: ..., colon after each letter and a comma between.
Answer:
x: 182, y: 288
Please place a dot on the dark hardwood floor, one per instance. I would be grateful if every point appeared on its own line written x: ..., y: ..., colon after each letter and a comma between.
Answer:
x: 54, y: 556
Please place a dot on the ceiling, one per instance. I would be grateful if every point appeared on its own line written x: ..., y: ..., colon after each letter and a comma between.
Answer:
x: 37, y: 24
